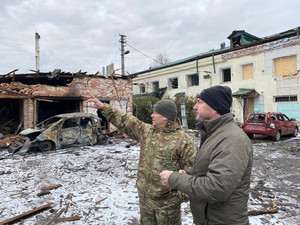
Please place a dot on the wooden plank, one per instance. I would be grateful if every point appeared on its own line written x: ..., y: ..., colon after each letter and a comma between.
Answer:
x: 51, y: 187
x: 25, y: 214
x: 101, y: 200
x: 263, y: 211
x: 73, y: 218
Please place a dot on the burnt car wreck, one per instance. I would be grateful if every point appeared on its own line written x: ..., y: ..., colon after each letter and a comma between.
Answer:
x: 30, y: 102
x: 61, y: 131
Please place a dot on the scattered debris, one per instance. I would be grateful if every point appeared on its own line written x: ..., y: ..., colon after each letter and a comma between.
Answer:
x: 53, y: 218
x: 27, y: 214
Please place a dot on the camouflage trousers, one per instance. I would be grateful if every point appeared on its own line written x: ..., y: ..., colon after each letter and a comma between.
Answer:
x: 157, y: 213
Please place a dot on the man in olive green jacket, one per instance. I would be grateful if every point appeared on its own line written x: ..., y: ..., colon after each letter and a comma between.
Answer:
x: 219, y: 183
x: 164, y: 146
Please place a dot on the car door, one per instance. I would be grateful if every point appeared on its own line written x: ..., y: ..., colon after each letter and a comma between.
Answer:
x: 282, y: 124
x: 69, y: 132
x: 288, y: 124
x: 88, y: 134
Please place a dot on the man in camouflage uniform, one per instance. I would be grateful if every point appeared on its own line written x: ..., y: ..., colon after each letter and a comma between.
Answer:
x: 164, y: 146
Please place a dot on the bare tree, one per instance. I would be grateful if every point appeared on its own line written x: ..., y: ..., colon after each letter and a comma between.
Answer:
x: 160, y: 59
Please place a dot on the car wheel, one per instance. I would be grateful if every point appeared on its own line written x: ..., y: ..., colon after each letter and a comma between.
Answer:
x: 295, y: 134
x: 277, y: 136
x: 250, y: 135
x: 102, y: 139
x: 45, y: 146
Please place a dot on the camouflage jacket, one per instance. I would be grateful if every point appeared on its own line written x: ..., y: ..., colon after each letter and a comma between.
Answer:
x: 169, y: 148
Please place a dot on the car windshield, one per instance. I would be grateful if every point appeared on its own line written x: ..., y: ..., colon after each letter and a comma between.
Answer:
x: 256, y: 117
x: 46, y: 123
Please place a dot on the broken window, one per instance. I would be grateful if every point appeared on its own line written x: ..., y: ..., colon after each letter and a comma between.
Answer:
x: 173, y: 83
x: 68, y: 123
x: 285, y: 66
x: 247, y: 71
x: 155, y: 85
x: 11, y: 112
x: 192, y: 80
x: 226, y: 75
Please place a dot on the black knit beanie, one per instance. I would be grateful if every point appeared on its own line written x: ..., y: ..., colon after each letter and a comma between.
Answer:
x: 166, y: 108
x: 217, y: 97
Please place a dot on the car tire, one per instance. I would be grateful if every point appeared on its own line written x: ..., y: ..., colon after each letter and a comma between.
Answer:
x: 277, y: 136
x: 295, y: 133
x: 250, y: 135
x: 102, y: 139
x: 45, y: 146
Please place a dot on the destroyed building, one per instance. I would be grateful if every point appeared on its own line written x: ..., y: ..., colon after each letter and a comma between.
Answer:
x: 27, y: 99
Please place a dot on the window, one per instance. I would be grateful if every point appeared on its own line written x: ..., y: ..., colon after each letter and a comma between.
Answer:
x: 247, y: 71
x: 286, y: 98
x: 142, y: 89
x: 280, y: 118
x: 256, y: 117
x: 72, y: 122
x: 285, y: 66
x: 226, y: 75
x: 173, y: 83
x: 285, y: 118
x: 193, y: 80
x: 155, y: 85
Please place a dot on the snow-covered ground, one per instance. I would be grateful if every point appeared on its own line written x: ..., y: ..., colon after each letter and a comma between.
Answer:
x: 98, y: 184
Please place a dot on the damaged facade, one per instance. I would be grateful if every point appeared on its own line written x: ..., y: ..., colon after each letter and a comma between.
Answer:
x: 263, y: 73
x: 27, y: 99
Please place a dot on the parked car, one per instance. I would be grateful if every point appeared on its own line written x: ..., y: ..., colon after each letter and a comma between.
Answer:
x: 274, y: 125
x: 65, y: 130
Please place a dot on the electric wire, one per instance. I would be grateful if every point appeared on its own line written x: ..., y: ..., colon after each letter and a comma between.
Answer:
x: 176, y: 68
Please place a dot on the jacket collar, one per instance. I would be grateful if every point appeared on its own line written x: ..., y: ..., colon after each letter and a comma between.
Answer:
x: 171, y: 126
x: 211, y: 125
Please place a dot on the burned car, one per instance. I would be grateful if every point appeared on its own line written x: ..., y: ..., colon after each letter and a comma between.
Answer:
x: 65, y: 130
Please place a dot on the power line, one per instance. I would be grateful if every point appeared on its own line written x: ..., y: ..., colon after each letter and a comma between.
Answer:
x: 142, y: 53
x: 177, y: 68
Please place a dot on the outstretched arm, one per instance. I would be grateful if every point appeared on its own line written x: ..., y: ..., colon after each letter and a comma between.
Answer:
x: 91, y: 98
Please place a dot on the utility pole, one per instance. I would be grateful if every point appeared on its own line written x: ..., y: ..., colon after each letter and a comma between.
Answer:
x: 37, y: 52
x: 123, y: 52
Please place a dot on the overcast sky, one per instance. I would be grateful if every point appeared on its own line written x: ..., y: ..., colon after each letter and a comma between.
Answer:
x: 84, y: 35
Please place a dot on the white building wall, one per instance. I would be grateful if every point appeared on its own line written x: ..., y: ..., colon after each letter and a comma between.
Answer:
x: 264, y: 80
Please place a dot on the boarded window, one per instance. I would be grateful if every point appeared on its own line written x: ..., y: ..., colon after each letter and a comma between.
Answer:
x: 247, y: 71
x: 285, y: 65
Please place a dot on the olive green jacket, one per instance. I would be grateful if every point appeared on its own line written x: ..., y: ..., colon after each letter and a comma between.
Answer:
x: 169, y: 148
x: 219, y: 183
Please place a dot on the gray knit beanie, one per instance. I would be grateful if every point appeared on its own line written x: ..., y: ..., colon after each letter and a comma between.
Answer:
x: 166, y: 108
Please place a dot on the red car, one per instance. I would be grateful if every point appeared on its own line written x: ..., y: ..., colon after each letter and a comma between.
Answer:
x: 274, y: 125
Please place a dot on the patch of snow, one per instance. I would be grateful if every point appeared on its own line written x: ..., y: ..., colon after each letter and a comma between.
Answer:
x: 98, y: 184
